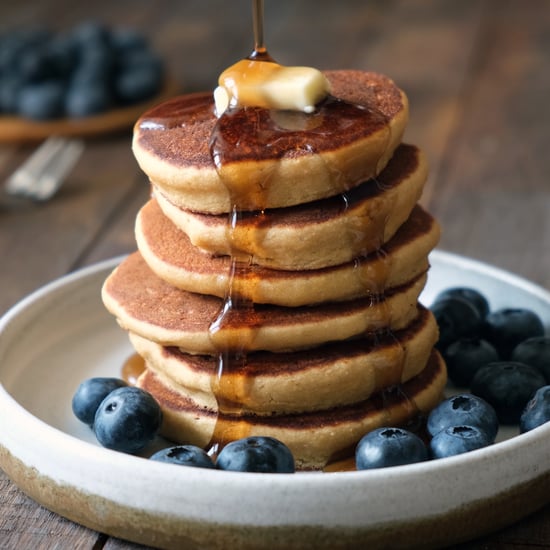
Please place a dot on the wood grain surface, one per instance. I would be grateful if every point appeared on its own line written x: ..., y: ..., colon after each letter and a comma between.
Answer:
x: 478, y: 80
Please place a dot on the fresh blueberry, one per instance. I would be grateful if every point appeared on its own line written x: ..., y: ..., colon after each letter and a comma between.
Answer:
x: 127, y: 419
x: 472, y: 295
x: 91, y: 34
x: 10, y: 89
x: 82, y: 101
x: 536, y: 352
x: 456, y: 440
x: 463, y: 410
x: 465, y: 356
x: 41, y: 101
x: 62, y: 56
x: 17, y: 43
x: 126, y: 39
x: 457, y: 318
x: 185, y: 455
x: 34, y: 66
x: 389, y: 446
x: 507, y: 327
x: 537, y: 410
x: 90, y: 394
x: 137, y: 83
x: 256, y: 454
x: 507, y: 386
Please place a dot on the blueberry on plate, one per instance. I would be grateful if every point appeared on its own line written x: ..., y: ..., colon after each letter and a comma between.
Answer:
x: 86, y: 100
x: 507, y: 327
x: 10, y: 89
x: 507, y: 386
x: 463, y: 410
x: 472, y: 295
x: 137, y: 83
x: 457, y: 318
x: 537, y: 410
x: 127, y: 39
x: 256, y: 454
x: 456, y: 440
x: 184, y: 455
x: 465, y: 356
x: 41, y: 101
x: 536, y: 352
x: 127, y: 419
x: 389, y: 446
x: 90, y: 394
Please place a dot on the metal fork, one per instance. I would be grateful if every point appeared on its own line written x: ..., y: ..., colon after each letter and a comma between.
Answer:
x: 42, y: 174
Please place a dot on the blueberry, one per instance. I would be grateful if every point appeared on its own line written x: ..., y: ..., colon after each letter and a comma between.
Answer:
x: 506, y: 328
x: 185, y: 455
x: 41, y: 101
x: 34, y: 66
x: 472, y: 295
x: 465, y: 356
x: 456, y: 440
x: 62, y: 56
x: 464, y: 409
x: 256, y: 454
x: 90, y: 394
x: 507, y: 386
x: 537, y: 410
x: 127, y: 419
x: 536, y: 352
x: 91, y: 34
x: 457, y: 318
x: 125, y: 39
x: 82, y: 101
x: 137, y: 84
x: 386, y: 447
x: 10, y: 89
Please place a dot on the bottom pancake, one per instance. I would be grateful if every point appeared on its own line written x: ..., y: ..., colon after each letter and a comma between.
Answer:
x: 320, y: 378
x: 315, y: 438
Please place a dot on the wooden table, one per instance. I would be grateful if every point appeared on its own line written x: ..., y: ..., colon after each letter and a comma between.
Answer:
x: 478, y: 79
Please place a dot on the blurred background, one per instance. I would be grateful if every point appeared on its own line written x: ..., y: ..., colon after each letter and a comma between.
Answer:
x: 477, y: 76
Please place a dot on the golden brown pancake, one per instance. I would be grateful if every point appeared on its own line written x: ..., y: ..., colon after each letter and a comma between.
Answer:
x: 256, y: 159
x: 145, y: 304
x: 315, y: 235
x: 170, y: 254
x: 320, y: 378
x: 314, y: 438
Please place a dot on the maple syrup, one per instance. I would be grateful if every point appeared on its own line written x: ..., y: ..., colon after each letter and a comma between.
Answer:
x: 132, y: 369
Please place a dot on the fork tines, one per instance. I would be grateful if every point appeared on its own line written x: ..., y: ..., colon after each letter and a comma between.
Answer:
x: 42, y: 174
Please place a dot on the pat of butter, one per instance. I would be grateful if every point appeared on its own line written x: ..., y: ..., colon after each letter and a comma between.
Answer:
x: 269, y: 85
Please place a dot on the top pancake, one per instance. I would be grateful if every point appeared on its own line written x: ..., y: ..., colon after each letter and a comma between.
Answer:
x: 213, y: 165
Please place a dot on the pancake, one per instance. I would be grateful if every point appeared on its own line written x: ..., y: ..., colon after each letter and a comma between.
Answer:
x: 145, y: 304
x: 254, y: 159
x: 170, y: 254
x: 314, y: 438
x: 320, y: 378
x: 303, y: 237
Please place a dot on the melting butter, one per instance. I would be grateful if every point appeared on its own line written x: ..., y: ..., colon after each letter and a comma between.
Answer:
x: 266, y: 84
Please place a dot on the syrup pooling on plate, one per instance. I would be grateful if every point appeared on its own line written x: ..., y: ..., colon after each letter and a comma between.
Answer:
x: 132, y: 368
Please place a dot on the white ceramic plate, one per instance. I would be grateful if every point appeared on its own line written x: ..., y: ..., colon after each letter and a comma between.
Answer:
x: 61, y: 334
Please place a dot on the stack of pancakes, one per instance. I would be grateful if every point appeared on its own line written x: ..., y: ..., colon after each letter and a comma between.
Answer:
x: 280, y: 259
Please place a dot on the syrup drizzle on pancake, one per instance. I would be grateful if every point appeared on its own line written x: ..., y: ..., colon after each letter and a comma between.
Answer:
x: 238, y: 129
